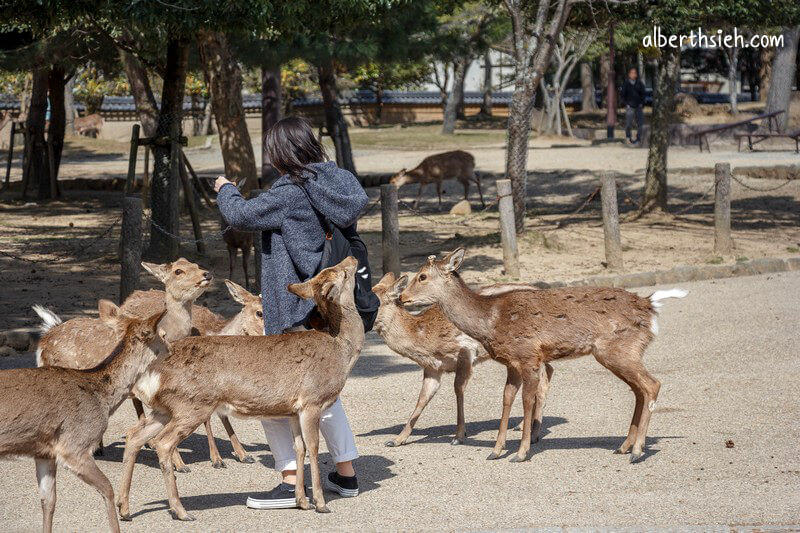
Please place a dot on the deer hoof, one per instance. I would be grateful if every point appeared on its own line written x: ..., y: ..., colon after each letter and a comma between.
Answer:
x: 636, y: 457
x: 303, y: 504
x: 322, y: 509
x: 391, y: 444
x: 457, y: 440
x: 125, y: 517
x: 517, y: 459
x: 218, y: 464
x: 247, y: 459
x: 183, y: 517
x: 183, y: 470
x: 492, y: 456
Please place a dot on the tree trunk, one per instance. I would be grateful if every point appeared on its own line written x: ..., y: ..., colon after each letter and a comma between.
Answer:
x: 270, y: 114
x: 58, y: 118
x: 588, y: 102
x: 165, y: 182
x: 765, y: 72
x: 225, y: 79
x: 519, y: 126
x: 611, y: 87
x: 146, y: 106
x: 69, y: 105
x: 783, y: 70
x: 38, y: 171
x: 460, y: 113
x: 486, y: 103
x: 732, y: 55
x: 640, y: 67
x: 604, y: 68
x: 655, y: 187
x: 334, y: 120
x: 460, y: 67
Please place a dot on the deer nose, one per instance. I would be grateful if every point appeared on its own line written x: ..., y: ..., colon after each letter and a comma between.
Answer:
x: 207, y: 275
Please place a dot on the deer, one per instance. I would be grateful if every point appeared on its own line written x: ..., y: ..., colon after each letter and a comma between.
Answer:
x: 437, y: 346
x: 527, y: 329
x: 58, y: 415
x: 295, y: 374
x: 90, y: 125
x: 436, y: 168
x: 236, y: 240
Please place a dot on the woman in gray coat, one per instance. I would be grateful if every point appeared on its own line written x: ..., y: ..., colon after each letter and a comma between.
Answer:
x: 292, y: 239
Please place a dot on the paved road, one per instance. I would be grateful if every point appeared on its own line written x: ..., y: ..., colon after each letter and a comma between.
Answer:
x: 728, y: 359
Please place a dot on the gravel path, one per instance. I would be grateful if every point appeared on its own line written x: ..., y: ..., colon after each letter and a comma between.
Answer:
x: 727, y: 358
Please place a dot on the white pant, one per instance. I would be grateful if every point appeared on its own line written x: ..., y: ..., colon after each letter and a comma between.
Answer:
x: 334, y: 427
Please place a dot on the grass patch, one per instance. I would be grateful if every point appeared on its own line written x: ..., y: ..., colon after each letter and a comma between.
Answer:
x: 792, y: 249
x: 715, y: 260
x: 742, y: 258
x: 426, y: 137
x: 79, y: 146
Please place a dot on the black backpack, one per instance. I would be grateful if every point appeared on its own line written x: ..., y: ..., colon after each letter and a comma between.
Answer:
x: 341, y: 243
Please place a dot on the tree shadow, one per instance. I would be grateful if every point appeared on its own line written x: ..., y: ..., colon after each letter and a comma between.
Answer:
x: 372, y: 365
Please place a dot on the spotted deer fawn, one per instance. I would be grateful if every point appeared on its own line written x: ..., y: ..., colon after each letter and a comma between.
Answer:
x: 296, y: 375
x: 58, y: 415
x: 436, y: 345
x: 457, y: 164
x: 526, y: 329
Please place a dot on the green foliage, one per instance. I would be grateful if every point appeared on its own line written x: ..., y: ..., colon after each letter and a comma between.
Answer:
x: 92, y: 84
x: 12, y: 82
x: 381, y: 76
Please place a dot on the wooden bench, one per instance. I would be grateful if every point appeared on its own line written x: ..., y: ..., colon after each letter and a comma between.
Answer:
x: 763, y: 135
x: 702, y: 135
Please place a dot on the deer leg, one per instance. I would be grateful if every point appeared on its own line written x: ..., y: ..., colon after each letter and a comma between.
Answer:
x: 176, y: 430
x: 478, y: 184
x: 650, y: 387
x: 439, y: 192
x: 463, y: 373
x: 87, y: 471
x: 530, y: 386
x: 231, y: 259
x: 138, y: 435
x: 419, y: 195
x: 213, y: 451
x: 513, y: 380
x: 238, y: 450
x: 245, y: 259
x: 139, y: 407
x: 46, y: 477
x: 300, y: 457
x: 177, y: 462
x: 465, y: 183
x: 431, y: 379
x: 309, y: 425
x: 545, y: 375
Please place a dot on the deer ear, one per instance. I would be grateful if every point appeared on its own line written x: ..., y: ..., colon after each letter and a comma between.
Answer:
x: 330, y: 290
x: 109, y: 313
x: 386, y: 281
x: 161, y: 272
x: 453, y: 260
x: 303, y: 290
x: 238, y: 293
x: 398, y: 286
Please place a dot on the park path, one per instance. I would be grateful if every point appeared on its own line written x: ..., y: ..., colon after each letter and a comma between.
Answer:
x: 727, y: 358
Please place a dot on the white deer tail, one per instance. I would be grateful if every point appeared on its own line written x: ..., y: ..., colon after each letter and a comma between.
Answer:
x: 49, y: 318
x: 656, y: 298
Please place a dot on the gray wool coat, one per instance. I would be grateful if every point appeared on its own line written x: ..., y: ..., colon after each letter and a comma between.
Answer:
x: 292, y: 235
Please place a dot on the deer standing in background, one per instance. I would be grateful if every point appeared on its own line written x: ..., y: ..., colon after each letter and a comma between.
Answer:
x: 526, y: 329
x: 436, y: 345
x: 457, y: 164
x: 236, y: 240
x: 297, y: 375
x: 58, y: 415
x: 90, y: 125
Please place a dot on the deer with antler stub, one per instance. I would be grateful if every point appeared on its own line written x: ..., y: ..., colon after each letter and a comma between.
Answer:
x: 436, y: 168
x: 304, y: 373
x: 527, y: 329
x: 436, y: 345
x: 58, y: 415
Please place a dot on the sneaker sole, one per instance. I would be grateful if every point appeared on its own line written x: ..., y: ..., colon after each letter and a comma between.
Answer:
x: 285, y: 503
x: 341, y: 491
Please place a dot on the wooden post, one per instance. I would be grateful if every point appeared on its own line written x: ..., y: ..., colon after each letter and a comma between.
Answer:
x: 611, y: 236
x: 189, y: 196
x: 390, y: 230
x: 51, y: 165
x: 257, y: 250
x: 130, y: 245
x: 132, y: 159
x: 508, y: 235
x: 723, y: 243
x: 10, y: 156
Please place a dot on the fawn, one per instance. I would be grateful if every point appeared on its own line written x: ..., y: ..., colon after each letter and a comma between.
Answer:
x: 296, y: 375
x: 457, y: 164
x: 58, y: 415
x: 526, y: 329
x: 436, y: 345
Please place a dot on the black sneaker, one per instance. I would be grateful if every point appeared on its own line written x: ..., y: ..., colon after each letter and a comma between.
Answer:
x: 343, y: 486
x: 281, y: 497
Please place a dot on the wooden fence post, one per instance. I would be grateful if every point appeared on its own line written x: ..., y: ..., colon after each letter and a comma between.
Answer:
x: 189, y: 196
x: 257, y: 250
x: 10, y: 155
x: 390, y: 230
x: 132, y: 159
x: 508, y: 235
x: 723, y: 243
x: 611, y: 236
x: 130, y: 245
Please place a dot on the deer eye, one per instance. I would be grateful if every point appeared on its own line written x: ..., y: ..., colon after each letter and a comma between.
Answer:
x: 423, y: 277
x: 259, y: 314
x: 178, y: 272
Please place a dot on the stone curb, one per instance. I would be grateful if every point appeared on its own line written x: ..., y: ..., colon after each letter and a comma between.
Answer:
x: 682, y: 274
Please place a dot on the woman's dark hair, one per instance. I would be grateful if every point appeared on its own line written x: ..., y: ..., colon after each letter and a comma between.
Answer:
x: 291, y: 146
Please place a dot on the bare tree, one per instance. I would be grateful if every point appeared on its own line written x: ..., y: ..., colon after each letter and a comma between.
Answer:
x: 783, y: 70
x: 732, y: 56
x: 588, y: 102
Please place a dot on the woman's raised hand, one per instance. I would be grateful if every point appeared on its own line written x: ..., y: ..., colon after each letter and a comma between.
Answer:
x: 221, y: 180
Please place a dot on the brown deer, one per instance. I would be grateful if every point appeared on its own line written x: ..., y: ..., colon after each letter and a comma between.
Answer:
x: 526, y: 329
x: 58, y: 415
x: 436, y: 345
x: 90, y: 125
x: 236, y: 240
x: 296, y: 375
x: 436, y: 168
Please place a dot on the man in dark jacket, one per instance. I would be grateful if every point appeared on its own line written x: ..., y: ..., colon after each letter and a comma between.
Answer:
x: 633, y: 99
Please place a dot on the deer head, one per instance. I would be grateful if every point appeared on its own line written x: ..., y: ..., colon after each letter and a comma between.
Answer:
x: 183, y: 280
x: 388, y: 289
x: 331, y: 289
x: 251, y: 317
x: 401, y: 178
x: 433, y: 279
